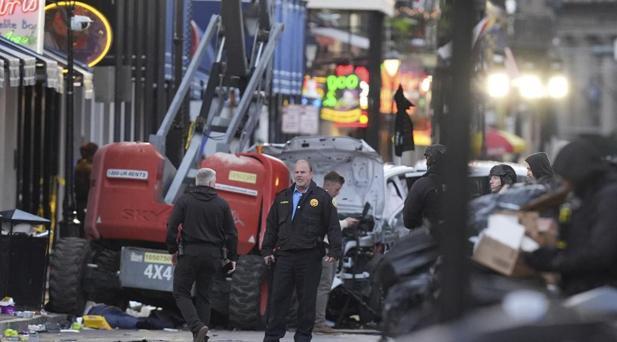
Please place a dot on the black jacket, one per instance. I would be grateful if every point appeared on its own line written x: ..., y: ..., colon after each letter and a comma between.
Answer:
x: 315, y: 217
x: 589, y: 259
x: 82, y: 181
x: 424, y: 197
x: 541, y: 169
x: 422, y: 202
x: 207, y: 224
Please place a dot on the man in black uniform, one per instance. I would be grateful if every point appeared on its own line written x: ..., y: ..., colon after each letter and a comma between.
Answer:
x: 199, y: 227
x: 589, y: 258
x: 299, y: 219
x: 423, y: 200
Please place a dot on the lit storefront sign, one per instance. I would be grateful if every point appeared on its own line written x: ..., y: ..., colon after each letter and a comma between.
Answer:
x: 21, y: 21
x: 91, y: 44
x: 345, y: 99
x: 313, y: 90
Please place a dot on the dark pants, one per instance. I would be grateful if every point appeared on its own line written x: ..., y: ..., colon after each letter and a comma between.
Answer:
x: 115, y: 316
x: 301, y: 271
x: 199, y: 270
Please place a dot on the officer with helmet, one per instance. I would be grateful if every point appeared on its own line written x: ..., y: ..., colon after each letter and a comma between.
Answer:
x: 501, y: 177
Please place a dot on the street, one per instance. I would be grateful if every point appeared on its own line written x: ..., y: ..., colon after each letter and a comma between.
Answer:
x: 215, y: 335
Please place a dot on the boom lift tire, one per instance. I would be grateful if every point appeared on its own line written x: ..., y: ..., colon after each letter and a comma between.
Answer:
x: 101, y: 281
x: 67, y: 266
x: 245, y: 293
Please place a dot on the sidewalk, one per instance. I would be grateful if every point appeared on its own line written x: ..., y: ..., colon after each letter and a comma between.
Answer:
x: 21, y: 324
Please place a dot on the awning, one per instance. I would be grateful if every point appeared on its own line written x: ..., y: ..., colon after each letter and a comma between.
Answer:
x: 499, y: 142
x: 385, y: 6
x: 80, y: 68
x: 30, y: 58
x: 12, y: 63
x: 29, y: 64
x: 16, y: 215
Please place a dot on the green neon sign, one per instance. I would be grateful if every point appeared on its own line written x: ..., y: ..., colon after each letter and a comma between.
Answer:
x: 334, y: 84
x: 19, y: 39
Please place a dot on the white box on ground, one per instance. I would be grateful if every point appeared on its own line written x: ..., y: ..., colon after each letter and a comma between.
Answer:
x: 499, y: 245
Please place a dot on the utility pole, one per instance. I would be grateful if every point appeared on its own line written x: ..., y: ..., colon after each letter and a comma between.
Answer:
x: 453, y: 233
x: 374, y: 67
x: 69, y: 217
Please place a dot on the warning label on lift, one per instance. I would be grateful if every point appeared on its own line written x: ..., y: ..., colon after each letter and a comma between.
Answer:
x: 244, y: 177
x: 157, y: 258
x: 127, y: 174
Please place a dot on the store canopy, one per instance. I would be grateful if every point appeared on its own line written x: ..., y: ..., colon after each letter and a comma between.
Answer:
x: 80, y: 68
x: 16, y: 215
x: 11, y: 63
x: 500, y: 142
x: 31, y: 60
x: 385, y: 6
x: 28, y: 68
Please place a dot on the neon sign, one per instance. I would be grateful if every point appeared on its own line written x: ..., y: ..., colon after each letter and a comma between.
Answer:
x: 89, y: 45
x: 21, y: 21
x: 8, y: 7
x: 336, y: 83
x: 346, y: 97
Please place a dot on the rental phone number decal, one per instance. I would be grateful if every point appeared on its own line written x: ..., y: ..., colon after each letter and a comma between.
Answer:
x: 127, y: 174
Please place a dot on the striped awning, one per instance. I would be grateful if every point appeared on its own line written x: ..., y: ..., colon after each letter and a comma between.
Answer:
x: 22, y: 64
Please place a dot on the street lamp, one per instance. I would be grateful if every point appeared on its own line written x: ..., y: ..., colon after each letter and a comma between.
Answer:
x: 530, y: 87
x: 498, y: 84
x: 391, y: 64
x: 558, y: 87
x: 425, y: 85
x: 70, y: 223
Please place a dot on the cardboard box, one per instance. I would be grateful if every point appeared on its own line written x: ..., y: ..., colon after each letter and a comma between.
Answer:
x: 495, y: 255
x: 499, y: 245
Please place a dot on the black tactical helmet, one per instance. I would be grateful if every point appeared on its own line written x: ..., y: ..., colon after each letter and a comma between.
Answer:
x: 505, y: 172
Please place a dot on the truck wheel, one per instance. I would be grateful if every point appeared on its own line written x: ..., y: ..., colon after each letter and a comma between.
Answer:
x: 101, y: 282
x: 248, y: 293
x: 67, y: 264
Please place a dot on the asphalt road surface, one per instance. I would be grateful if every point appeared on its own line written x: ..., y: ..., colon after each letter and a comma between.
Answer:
x: 215, y: 336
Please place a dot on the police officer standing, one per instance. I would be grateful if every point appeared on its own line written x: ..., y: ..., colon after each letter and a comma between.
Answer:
x: 199, y: 227
x: 299, y: 219
x: 423, y: 202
